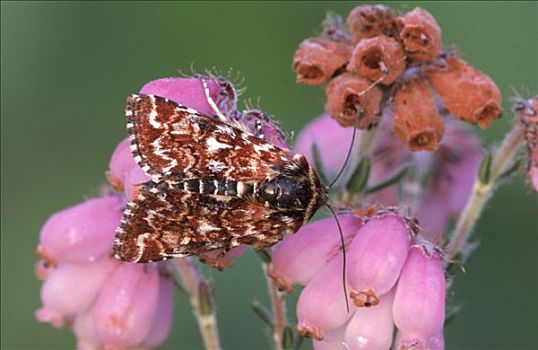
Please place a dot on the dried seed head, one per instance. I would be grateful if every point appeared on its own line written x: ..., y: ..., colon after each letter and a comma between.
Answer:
x: 353, y: 100
x: 466, y: 92
x: 317, y: 59
x: 421, y: 35
x: 366, y: 21
x: 417, y: 122
x: 376, y: 58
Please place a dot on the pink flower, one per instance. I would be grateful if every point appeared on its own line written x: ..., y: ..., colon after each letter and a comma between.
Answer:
x: 299, y: 257
x: 322, y: 305
x: 419, y: 303
x: 376, y: 257
x: 454, y: 169
x: 371, y: 328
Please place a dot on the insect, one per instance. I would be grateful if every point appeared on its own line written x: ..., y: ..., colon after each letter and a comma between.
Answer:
x: 213, y: 185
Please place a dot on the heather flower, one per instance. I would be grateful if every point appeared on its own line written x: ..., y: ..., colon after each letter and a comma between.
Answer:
x: 466, y: 92
x: 417, y: 122
x: 453, y: 171
x: 322, y: 305
x: 419, y: 302
x: 299, y: 257
x: 353, y: 100
x: 371, y: 272
x: 371, y: 328
x: 420, y: 35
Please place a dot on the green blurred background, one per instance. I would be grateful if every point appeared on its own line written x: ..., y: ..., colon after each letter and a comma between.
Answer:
x: 67, y: 67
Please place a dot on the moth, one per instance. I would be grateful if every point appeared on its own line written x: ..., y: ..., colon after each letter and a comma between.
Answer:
x: 213, y: 185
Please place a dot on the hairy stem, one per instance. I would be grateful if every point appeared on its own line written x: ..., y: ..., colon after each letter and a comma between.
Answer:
x: 278, y: 307
x: 201, y: 298
x: 482, y: 192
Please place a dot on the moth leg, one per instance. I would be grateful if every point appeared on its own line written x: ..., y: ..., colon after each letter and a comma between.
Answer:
x: 267, y: 242
x: 212, y: 103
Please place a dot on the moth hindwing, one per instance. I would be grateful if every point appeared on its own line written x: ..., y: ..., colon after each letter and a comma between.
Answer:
x: 212, y: 186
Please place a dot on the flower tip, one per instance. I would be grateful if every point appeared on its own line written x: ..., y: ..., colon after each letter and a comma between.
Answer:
x: 46, y: 315
x: 309, y: 332
x: 364, y: 298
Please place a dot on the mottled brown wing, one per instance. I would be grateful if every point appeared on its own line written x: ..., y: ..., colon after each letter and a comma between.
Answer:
x: 169, y: 139
x: 159, y: 225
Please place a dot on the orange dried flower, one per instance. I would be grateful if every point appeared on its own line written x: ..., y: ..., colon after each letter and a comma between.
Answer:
x: 366, y: 21
x: 466, y: 92
x: 421, y: 35
x: 353, y: 100
x: 417, y: 122
x: 380, y: 57
x: 317, y: 59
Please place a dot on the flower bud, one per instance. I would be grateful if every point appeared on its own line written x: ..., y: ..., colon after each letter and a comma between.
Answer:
x: 421, y: 35
x: 366, y: 21
x: 221, y: 260
x: 376, y: 257
x: 417, y: 122
x: 70, y: 289
x: 371, y: 328
x: 330, y: 138
x: 81, y: 233
x: 466, y: 92
x: 120, y: 165
x: 261, y: 125
x: 380, y: 57
x: 126, y: 305
x: 190, y: 92
x: 322, y: 306
x: 332, y: 340
x: 300, y: 256
x: 353, y: 100
x: 419, y: 303
x: 317, y: 59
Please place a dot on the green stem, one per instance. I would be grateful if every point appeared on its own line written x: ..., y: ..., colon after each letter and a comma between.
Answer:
x: 482, y: 192
x: 201, y: 299
x: 278, y: 306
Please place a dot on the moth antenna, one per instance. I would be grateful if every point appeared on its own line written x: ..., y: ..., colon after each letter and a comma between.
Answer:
x: 342, y: 241
x: 212, y: 103
x: 385, y: 72
x: 348, y: 156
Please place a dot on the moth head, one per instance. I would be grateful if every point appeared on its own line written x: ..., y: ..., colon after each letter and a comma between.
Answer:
x: 286, y: 192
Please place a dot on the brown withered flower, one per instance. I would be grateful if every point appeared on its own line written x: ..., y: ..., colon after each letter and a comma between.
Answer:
x: 353, y: 100
x: 417, y: 122
x: 379, y: 58
x: 366, y: 21
x: 466, y: 92
x: 420, y: 35
x: 317, y: 59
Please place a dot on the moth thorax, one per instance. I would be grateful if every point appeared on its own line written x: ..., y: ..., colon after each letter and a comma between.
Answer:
x: 286, y: 193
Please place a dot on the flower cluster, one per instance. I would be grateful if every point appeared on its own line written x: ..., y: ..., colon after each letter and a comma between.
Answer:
x: 393, y: 279
x: 382, y: 61
x: 108, y: 303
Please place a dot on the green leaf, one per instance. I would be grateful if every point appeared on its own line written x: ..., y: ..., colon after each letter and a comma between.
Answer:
x: 511, y: 170
x: 389, y: 181
x: 485, y: 168
x: 318, y: 164
x: 359, y: 179
x: 263, y: 313
x: 287, y: 338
